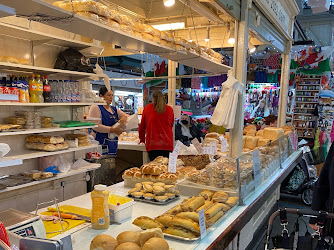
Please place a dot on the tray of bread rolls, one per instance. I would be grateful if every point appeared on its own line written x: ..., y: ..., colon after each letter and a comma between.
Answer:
x: 157, y: 193
x: 182, y: 221
x: 46, y: 143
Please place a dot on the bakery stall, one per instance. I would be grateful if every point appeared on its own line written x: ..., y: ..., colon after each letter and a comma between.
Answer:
x: 242, y: 199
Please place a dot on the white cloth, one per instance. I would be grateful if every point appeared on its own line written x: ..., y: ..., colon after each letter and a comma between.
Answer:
x: 224, y: 113
x: 266, y: 111
x: 185, y: 131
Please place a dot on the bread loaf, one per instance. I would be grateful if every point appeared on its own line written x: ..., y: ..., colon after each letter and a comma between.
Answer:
x: 273, y: 133
x: 259, y: 133
x: 251, y: 142
x: 262, y: 142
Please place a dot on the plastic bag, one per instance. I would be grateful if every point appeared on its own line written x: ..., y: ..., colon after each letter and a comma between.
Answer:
x: 131, y: 123
x: 49, y: 161
x: 80, y: 163
x: 71, y: 59
x: 191, y: 150
x: 4, y: 149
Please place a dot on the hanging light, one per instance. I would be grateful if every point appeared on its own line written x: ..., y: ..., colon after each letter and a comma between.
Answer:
x: 169, y: 3
x: 231, y: 39
x: 189, y: 36
x: 207, y: 38
x: 251, y: 47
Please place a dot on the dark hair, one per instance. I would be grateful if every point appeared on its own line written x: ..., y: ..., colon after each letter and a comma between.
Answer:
x: 103, y: 90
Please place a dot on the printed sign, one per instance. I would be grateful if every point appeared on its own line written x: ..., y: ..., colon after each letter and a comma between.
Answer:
x: 177, y: 147
x: 223, y: 143
x: 213, y: 146
x: 202, y: 225
x: 197, y: 145
x: 172, y: 162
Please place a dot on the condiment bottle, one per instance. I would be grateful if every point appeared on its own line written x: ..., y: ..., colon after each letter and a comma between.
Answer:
x: 100, y: 211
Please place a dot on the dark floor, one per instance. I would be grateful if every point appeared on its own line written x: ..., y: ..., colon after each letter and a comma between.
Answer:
x: 287, y: 201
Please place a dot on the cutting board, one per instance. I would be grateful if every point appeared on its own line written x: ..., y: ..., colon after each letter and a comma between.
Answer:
x: 52, y: 227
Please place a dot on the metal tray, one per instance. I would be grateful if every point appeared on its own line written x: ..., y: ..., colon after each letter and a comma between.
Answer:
x: 155, y: 202
x: 175, y: 237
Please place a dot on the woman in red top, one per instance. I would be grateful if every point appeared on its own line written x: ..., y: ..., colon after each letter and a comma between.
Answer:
x: 156, y: 127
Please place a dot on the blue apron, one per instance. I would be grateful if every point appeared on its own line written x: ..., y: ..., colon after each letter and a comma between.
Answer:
x: 108, y: 119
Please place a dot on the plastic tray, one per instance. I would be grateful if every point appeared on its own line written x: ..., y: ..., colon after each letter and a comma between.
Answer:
x: 155, y: 202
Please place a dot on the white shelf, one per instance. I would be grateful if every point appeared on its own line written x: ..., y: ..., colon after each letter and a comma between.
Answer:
x: 89, y: 28
x: 37, y: 154
x: 57, y: 177
x: 41, y: 37
x: 43, y: 130
x: 19, y: 68
x: 50, y: 104
x: 8, y: 163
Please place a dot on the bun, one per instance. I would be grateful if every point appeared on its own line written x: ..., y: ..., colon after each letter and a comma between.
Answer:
x: 103, y: 242
x: 128, y: 236
x: 152, y: 169
x: 148, y: 234
x: 169, y: 178
x: 128, y: 246
x: 156, y: 244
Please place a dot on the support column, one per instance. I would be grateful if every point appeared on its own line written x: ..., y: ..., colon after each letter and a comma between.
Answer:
x: 240, y: 73
x: 284, y: 86
x: 171, y: 83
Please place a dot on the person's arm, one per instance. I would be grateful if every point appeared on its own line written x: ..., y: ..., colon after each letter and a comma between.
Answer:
x: 122, y: 117
x: 178, y: 134
x: 95, y: 112
x: 142, y: 127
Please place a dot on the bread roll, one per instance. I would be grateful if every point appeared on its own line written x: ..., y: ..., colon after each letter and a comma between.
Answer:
x: 103, y: 242
x: 251, y: 132
x: 186, y: 224
x: 145, y: 222
x: 213, y: 210
x: 189, y: 215
x: 178, y: 231
x: 151, y: 169
x: 156, y: 244
x: 128, y: 236
x: 128, y: 246
x: 148, y: 234
x: 164, y: 219
x: 220, y: 196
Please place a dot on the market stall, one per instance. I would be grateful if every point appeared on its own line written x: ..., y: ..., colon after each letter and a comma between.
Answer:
x: 254, y: 175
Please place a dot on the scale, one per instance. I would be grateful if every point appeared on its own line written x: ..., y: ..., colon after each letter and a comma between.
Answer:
x: 23, y: 224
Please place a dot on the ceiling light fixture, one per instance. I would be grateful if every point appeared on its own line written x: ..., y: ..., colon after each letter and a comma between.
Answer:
x: 251, y: 47
x: 231, y: 39
x: 169, y: 26
x: 207, y: 38
x: 169, y: 3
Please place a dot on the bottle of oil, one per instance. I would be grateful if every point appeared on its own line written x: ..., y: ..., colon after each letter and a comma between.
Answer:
x: 100, y: 211
x: 33, y: 89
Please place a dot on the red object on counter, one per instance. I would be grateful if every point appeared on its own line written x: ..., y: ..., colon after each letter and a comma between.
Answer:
x: 93, y: 155
x: 3, y: 234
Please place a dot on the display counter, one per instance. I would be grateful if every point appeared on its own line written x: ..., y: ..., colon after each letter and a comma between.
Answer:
x: 223, y: 233
x: 124, y: 145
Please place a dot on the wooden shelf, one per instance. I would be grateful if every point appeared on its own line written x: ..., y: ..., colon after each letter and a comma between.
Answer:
x: 37, y: 154
x: 307, y: 90
x: 50, y: 104
x: 309, y: 85
x: 304, y: 128
x: 307, y: 96
x: 302, y: 114
x: 43, y: 130
x: 306, y: 102
x: 41, y: 37
x: 19, y: 68
x: 89, y: 28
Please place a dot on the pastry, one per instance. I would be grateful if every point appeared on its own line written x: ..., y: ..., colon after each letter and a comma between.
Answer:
x: 216, y: 217
x: 46, y: 175
x: 209, y: 213
x: 206, y: 205
x: 193, y: 204
x: 189, y: 215
x: 145, y: 222
x: 231, y: 201
x: 175, y: 210
x: 169, y: 178
x: 158, y: 190
x: 178, y: 231
x: 148, y: 188
x: 147, y: 182
x: 165, y: 219
x: 159, y: 184
x: 170, y: 195
x: 161, y: 198
x: 148, y: 234
x: 148, y: 196
x: 138, y: 185
x: 137, y: 194
x: 206, y: 194
x: 186, y: 224
x: 225, y: 207
x: 170, y: 188
x: 220, y: 196
x: 151, y: 169
x: 136, y: 189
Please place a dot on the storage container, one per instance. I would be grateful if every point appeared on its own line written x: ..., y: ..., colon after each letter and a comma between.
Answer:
x: 120, y: 207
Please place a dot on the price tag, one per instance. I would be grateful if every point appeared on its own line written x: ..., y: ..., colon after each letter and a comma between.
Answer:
x: 213, y: 148
x: 197, y: 145
x: 257, y: 167
x: 206, y: 150
x: 223, y: 143
x: 177, y: 147
x: 172, y: 163
x: 202, y: 225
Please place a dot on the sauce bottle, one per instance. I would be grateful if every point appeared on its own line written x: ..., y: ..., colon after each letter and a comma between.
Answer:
x: 33, y: 89
x: 39, y: 89
x: 100, y: 210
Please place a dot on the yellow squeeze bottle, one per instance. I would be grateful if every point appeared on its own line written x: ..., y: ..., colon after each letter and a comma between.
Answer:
x: 100, y: 210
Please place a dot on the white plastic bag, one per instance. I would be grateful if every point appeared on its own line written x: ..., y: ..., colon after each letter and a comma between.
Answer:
x: 4, y: 149
x: 131, y: 123
x: 80, y: 163
x: 49, y: 161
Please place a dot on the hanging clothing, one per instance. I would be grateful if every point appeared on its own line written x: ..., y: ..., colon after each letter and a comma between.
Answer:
x: 108, y: 119
x: 196, y: 83
x: 186, y: 82
x: 224, y: 114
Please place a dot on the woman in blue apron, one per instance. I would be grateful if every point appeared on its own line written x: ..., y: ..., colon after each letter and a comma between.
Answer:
x: 109, y: 116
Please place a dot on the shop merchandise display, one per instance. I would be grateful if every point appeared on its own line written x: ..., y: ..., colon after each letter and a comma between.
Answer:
x: 152, y: 239
x: 183, y: 220
x: 29, y: 120
x: 12, y: 59
x: 112, y: 18
x: 46, y: 143
x: 154, y: 192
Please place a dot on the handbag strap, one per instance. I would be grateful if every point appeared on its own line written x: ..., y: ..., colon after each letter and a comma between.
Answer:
x: 321, y: 219
x: 284, y: 220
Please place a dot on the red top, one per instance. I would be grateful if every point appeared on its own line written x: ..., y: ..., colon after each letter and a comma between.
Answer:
x: 158, y: 128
